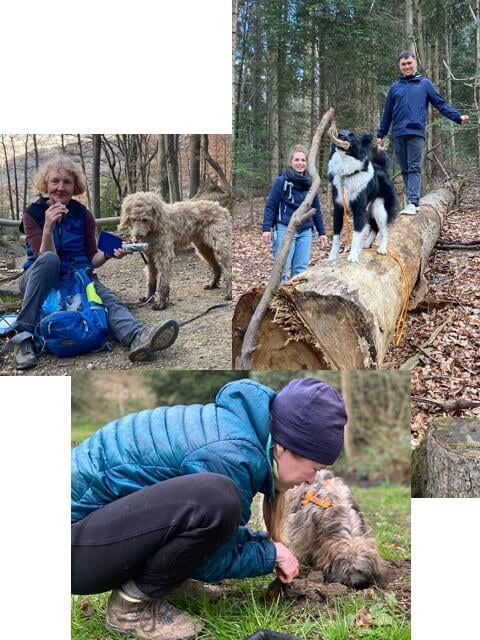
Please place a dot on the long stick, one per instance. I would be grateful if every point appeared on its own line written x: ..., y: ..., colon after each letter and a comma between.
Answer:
x: 303, y: 212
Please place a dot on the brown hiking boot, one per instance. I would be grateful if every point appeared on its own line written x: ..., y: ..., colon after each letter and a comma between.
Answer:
x: 154, y: 619
x: 152, y: 339
x: 191, y: 587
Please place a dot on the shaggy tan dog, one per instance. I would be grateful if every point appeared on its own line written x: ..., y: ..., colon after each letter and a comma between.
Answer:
x: 324, y: 527
x: 170, y: 227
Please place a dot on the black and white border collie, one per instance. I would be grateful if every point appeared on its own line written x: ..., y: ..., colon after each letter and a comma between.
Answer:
x: 362, y: 174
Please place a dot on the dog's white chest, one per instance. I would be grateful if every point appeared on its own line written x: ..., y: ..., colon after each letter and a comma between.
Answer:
x: 348, y: 176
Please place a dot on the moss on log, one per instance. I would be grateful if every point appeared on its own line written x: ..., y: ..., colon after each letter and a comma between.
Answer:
x: 447, y: 462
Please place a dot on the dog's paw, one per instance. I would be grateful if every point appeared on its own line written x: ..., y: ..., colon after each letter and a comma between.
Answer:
x: 352, y: 258
x: 382, y: 251
x: 212, y: 285
x: 159, y: 306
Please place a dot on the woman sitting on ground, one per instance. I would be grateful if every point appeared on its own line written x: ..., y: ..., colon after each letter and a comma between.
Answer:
x: 60, y: 237
x: 164, y: 495
x: 287, y: 194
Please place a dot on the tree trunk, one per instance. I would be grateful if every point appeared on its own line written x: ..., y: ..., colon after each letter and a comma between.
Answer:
x: 194, y: 164
x: 214, y: 164
x: 162, y: 168
x: 172, y: 167
x: 35, y: 149
x: 339, y: 315
x: 82, y: 160
x: 15, y: 177
x: 7, y: 169
x: 97, y: 145
x: 447, y: 462
x: 25, y: 173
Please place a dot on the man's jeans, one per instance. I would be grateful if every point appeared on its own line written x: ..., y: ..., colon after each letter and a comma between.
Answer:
x: 37, y: 281
x: 300, y: 250
x: 408, y: 150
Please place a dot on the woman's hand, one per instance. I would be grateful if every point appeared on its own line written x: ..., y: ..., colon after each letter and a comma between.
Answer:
x: 120, y: 253
x: 287, y: 566
x: 266, y: 237
x: 54, y: 214
x: 323, y: 242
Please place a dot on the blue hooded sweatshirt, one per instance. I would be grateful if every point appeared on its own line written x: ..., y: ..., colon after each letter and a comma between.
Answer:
x: 230, y: 436
x: 407, y: 107
x: 282, y: 202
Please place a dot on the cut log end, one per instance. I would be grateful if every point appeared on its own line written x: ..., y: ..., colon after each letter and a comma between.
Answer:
x: 447, y: 463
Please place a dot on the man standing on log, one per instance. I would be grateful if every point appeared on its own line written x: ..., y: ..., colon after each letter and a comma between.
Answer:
x: 407, y: 108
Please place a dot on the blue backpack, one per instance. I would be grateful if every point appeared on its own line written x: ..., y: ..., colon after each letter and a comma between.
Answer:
x: 73, y: 319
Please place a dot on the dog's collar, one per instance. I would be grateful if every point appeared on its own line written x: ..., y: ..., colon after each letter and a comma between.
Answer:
x: 310, y: 497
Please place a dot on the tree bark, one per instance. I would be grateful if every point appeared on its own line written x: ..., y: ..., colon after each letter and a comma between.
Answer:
x: 82, y: 160
x: 214, y: 164
x: 195, y: 140
x: 339, y: 315
x: 447, y: 462
x: 172, y: 167
x: 97, y: 145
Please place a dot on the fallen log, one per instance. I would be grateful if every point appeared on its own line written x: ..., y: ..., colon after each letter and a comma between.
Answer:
x: 341, y: 315
x: 447, y: 462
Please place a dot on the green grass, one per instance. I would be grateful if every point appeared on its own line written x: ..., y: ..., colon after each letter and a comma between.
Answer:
x: 81, y: 430
x: 244, y: 611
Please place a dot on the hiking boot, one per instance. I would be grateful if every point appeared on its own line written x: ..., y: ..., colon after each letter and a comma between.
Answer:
x: 152, y: 339
x: 190, y: 587
x: 409, y: 210
x: 154, y: 619
x: 25, y: 356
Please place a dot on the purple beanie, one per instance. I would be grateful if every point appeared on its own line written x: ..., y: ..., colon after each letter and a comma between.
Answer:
x: 308, y: 417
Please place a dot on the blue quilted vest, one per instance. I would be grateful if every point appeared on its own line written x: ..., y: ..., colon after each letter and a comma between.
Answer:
x: 69, y: 237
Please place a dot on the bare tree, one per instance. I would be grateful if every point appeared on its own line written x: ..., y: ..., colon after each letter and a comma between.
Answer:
x: 172, y: 167
x: 162, y: 168
x: 194, y: 164
x: 15, y: 176
x: 25, y: 173
x: 9, y: 182
x: 97, y: 145
x: 214, y: 164
x: 82, y: 160
x: 35, y: 148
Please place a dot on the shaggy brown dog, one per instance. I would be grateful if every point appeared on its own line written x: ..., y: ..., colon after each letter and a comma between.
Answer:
x: 325, y: 528
x: 170, y: 227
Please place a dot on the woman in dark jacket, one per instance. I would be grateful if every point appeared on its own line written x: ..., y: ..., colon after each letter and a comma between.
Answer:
x: 60, y: 237
x: 162, y: 496
x: 287, y: 194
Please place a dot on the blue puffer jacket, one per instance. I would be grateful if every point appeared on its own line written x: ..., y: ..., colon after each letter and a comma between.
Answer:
x: 69, y: 236
x: 407, y: 107
x: 230, y: 437
x: 282, y: 202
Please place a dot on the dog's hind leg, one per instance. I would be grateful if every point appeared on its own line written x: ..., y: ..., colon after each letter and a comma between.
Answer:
x: 368, y: 237
x: 337, y: 230
x: 208, y: 255
x: 381, y: 217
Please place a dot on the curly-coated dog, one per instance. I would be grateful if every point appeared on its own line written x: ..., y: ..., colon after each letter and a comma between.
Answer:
x: 170, y: 227
x: 324, y: 528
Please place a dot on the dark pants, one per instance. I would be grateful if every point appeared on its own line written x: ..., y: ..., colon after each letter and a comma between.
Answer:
x: 408, y: 150
x: 37, y: 281
x: 156, y: 536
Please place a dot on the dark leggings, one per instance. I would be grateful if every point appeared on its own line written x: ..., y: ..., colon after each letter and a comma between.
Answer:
x: 156, y: 536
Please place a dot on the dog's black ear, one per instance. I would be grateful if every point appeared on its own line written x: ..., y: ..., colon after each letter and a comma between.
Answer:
x: 367, y: 139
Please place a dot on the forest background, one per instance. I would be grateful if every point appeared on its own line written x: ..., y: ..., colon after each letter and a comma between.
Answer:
x: 176, y: 166
x: 377, y: 444
x: 293, y: 59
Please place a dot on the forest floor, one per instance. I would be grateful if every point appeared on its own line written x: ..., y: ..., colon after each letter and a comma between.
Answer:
x: 202, y: 344
x: 448, y: 369
x: 373, y: 613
